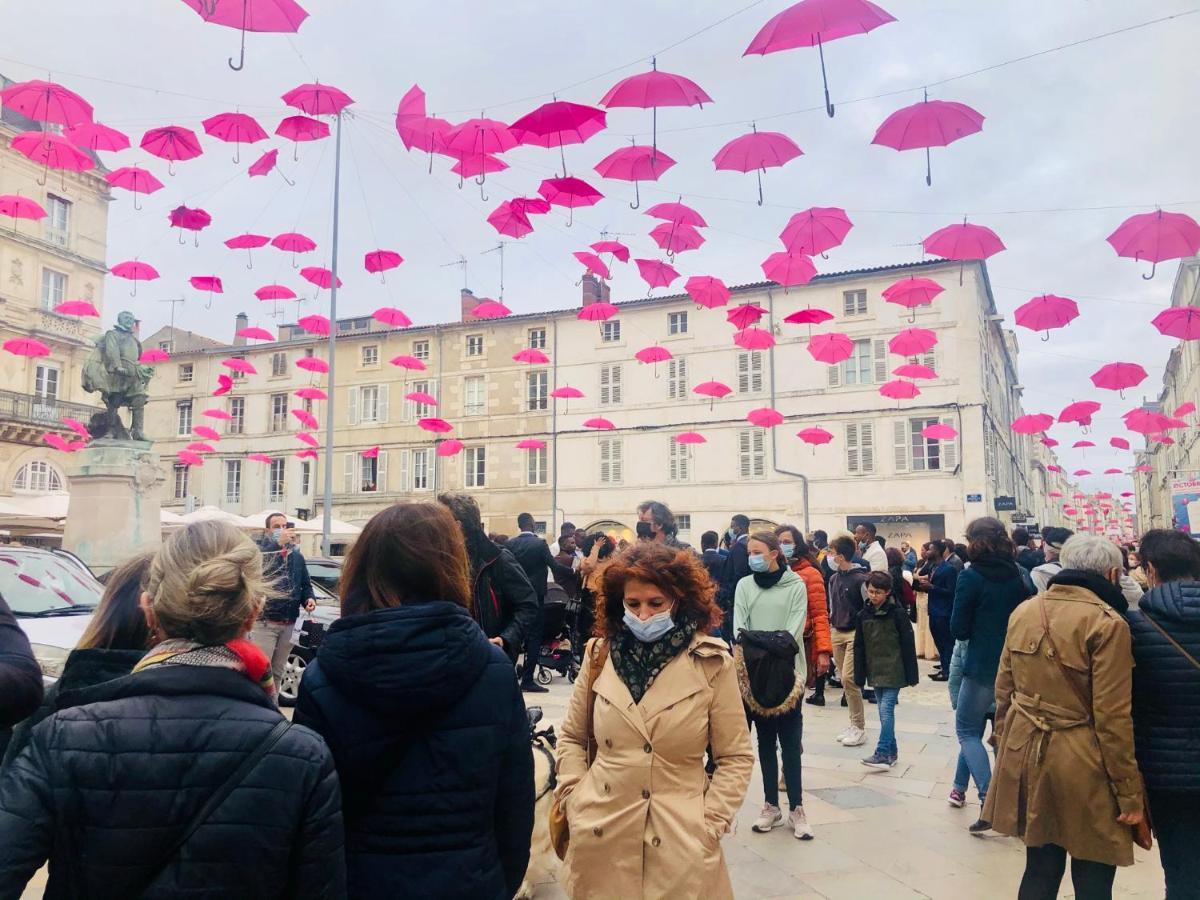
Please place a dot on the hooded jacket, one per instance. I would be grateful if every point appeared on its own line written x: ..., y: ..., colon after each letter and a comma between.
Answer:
x: 984, y: 597
x: 429, y: 735
x: 505, y: 603
x: 20, y: 675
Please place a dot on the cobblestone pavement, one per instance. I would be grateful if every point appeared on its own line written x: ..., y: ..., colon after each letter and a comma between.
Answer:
x: 878, y: 835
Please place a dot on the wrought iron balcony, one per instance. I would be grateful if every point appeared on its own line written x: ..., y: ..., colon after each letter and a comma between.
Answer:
x: 23, y: 417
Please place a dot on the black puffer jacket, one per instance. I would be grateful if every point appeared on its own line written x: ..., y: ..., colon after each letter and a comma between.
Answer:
x: 505, y: 604
x: 429, y: 733
x: 1166, y: 688
x: 108, y: 783
x: 20, y: 676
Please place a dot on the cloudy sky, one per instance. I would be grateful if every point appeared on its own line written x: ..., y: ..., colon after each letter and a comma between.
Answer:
x: 1074, y: 141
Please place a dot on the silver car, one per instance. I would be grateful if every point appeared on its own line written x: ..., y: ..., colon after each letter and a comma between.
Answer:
x: 53, y: 596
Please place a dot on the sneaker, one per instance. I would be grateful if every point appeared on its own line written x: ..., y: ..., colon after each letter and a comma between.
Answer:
x: 841, y: 736
x: 834, y: 681
x: 855, y: 737
x: 957, y: 798
x: 534, y: 689
x: 770, y: 817
x: 799, y: 824
x: 938, y: 677
x: 979, y: 827
x: 880, y: 761
x: 816, y: 700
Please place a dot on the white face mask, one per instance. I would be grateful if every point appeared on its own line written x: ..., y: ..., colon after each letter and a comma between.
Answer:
x: 650, y: 629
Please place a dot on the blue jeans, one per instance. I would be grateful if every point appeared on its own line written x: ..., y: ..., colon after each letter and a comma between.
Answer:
x: 970, y: 719
x: 886, y: 698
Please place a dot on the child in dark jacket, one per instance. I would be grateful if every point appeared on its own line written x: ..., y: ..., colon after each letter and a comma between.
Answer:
x: 885, y: 655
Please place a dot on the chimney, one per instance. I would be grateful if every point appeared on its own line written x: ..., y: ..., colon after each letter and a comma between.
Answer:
x: 469, y: 302
x: 240, y: 321
x: 594, y: 290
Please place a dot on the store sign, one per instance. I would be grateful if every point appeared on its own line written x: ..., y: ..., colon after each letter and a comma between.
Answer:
x: 1006, y: 504
x: 1185, y: 506
x: 974, y: 498
x: 916, y: 528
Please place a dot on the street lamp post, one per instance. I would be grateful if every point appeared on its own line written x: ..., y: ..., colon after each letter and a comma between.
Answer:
x: 327, y: 505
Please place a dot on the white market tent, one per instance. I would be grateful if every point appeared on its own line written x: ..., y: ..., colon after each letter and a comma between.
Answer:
x: 338, y: 528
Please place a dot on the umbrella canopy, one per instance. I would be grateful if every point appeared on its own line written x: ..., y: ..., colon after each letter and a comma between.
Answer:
x: 1118, y: 376
x: 186, y: 218
x: 816, y: 230
x: 809, y: 316
x: 490, y: 309
x: 265, y: 164
x: 754, y: 339
x: 1119, y: 443
x: 712, y: 389
x: 677, y: 212
x: 1046, y: 312
x: 765, y: 417
x: 961, y: 242
x: 312, y: 364
x: 566, y: 392
x: 224, y: 385
x: 317, y: 99
x: 569, y: 192
x: 532, y: 356
x: 650, y: 90
x: 597, y: 312
x: 592, y: 263
x: 635, y: 163
x: 1156, y: 236
x: 484, y: 164
x: 815, y: 436
x: 930, y: 123
x: 189, y: 458
x: 153, y: 355
x: 912, y: 342
x: 707, y: 291
x: 78, y: 427
x: 1032, y: 424
x: 45, y: 101
x: 437, y: 426
x: 18, y: 207
x: 745, y: 315
x: 451, y: 447
x: 656, y: 273
x: 1145, y: 421
x: 26, y: 347
x: 58, y: 442
x: 510, y: 221
x: 912, y: 292
x: 307, y: 419
x: 378, y: 261
x: 311, y: 393
x: 260, y: 457
x: 248, y: 242
x: 133, y: 270
x: 675, y: 237
x: 405, y: 361
x: 831, y: 348
x: 239, y: 365
x: 899, y: 390
x: 616, y: 248
x: 653, y: 354
x: 275, y: 292
x: 1081, y: 444
x: 531, y: 444
x: 206, y: 432
x: 210, y: 283
x: 315, y: 324
x: 756, y: 152
x: 690, y: 437
x: 1184, y: 409
x: 938, y: 432
x: 1181, y: 322
x: 600, y: 424
x: 172, y: 143
x: 422, y: 397
x: 254, y: 333
x: 307, y: 438
x: 390, y: 315
x: 52, y: 151
x: 293, y: 242
x: 215, y: 413
x: 234, y: 128
x: 789, y: 269
x: 1080, y: 412
x: 914, y: 370
x: 557, y: 123
x: 319, y: 276
x: 94, y: 136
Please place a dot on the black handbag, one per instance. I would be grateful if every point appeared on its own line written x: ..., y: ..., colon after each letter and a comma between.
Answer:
x: 769, y: 666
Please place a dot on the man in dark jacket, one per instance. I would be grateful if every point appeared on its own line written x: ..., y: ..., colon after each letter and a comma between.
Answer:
x: 1029, y: 557
x: 940, y: 588
x: 847, y: 594
x: 656, y: 523
x: 20, y: 675
x: 713, y: 561
x: 534, y: 557
x: 737, y: 564
x: 286, y: 571
x: 505, y: 605
x: 1166, y: 700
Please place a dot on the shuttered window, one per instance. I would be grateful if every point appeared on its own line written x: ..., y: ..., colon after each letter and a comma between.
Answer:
x: 750, y: 372
x: 752, y: 453
x: 854, y: 303
x: 610, y: 385
x: 677, y: 379
x: 860, y: 448
x: 679, y: 462
x: 611, y: 460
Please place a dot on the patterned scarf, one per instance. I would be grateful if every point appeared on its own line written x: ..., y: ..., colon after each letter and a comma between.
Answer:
x: 237, y: 656
x: 638, y: 663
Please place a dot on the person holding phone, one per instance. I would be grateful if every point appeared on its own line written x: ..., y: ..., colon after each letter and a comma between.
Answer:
x: 286, y: 573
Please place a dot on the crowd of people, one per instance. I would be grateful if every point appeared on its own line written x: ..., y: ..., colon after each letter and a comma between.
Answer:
x: 159, y: 763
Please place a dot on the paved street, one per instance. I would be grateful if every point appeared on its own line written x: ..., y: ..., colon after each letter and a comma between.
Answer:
x: 878, y: 835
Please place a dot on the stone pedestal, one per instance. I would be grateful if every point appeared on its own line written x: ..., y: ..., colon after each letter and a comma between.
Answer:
x: 113, y: 512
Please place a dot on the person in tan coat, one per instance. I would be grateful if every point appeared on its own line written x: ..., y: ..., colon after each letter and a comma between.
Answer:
x: 645, y: 820
x: 1066, y: 781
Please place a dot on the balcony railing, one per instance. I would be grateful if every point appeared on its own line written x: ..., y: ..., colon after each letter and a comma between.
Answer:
x: 41, y: 411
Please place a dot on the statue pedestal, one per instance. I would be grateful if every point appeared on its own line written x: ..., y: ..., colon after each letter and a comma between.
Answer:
x: 113, y: 512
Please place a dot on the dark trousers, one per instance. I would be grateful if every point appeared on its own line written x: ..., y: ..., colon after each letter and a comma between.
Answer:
x: 1176, y: 819
x: 943, y: 639
x: 1044, y: 867
x: 533, y: 644
x: 788, y: 731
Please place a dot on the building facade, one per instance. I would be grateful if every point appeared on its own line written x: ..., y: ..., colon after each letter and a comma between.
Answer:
x: 42, y: 264
x: 877, y: 465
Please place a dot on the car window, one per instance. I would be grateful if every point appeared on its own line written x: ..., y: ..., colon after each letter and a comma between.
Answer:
x: 325, y: 573
x: 33, y: 583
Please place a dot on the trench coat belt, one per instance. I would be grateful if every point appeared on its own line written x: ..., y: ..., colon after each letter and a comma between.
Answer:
x: 1046, y: 718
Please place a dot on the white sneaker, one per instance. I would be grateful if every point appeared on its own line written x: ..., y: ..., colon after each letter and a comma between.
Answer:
x: 855, y: 737
x: 799, y: 824
x: 842, y: 734
x: 770, y: 817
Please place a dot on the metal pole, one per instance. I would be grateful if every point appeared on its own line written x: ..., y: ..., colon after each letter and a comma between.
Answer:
x: 327, y: 510
x: 554, y: 432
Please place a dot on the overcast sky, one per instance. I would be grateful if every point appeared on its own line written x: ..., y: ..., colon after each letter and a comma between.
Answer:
x: 1106, y: 124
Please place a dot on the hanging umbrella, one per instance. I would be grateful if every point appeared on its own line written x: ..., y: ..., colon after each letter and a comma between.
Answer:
x: 616, y: 248
x: 765, y: 417
x: 1045, y: 312
x: 316, y: 324
x: 815, y: 436
x: 938, y: 432
x: 248, y: 242
x: 234, y: 128
x: 597, y: 312
x: 912, y: 342
x: 899, y: 390
x: 210, y: 283
x: 653, y: 89
x: 307, y: 438
x: 239, y: 365
x: 930, y: 123
x: 914, y: 370
x: 45, y: 101
x: 391, y: 316
x: 689, y: 437
x: 566, y: 392
x: 1181, y: 322
x: 408, y: 362
x: 1080, y: 412
x: 831, y: 348
x: 532, y: 356
x: 1184, y: 409
x: 311, y: 393
x: 1032, y: 424
x: 1114, y: 472
x: 816, y: 230
x: 307, y: 453
x: 635, y: 163
x: 530, y: 205
x: 963, y: 242
x: 1155, y: 237
x: 490, y: 309
x: 471, y: 166
x: 312, y: 364
x: 813, y: 23
x: 254, y: 333
x: 1082, y: 444
x: 912, y: 292
x: 558, y: 123
x: 745, y: 315
x: 451, y: 447
x: 260, y: 457
x: 53, y: 151
x: 418, y: 130
x: 134, y: 179
x: 277, y: 16
x: 569, y: 192
x: 789, y: 269
x: 592, y: 263
x: 189, y: 219
x: 714, y: 390
x: 220, y: 414
x: 189, y: 458
x: 307, y: 419
x: 301, y: 129
x: 317, y: 99
x: 81, y: 308
x: 509, y: 221
x: 756, y: 152
x: 531, y: 444
x: 380, y: 261
x: 656, y: 273
x: 275, y: 292
x: 18, y: 207
x: 94, y: 136
x: 600, y: 424
x: 224, y: 385
x: 675, y: 237
x: 1081, y: 472
x: 1118, y: 376
x: 319, y: 276
x: 472, y: 141
x: 653, y: 354
x: 204, y: 431
x: 707, y: 291
x: 154, y: 355
x: 1119, y: 443
x: 680, y: 213
x: 172, y: 143
x: 437, y: 426
x: 267, y: 163
x: 1145, y: 421
x: 135, y: 271
x: 78, y: 427
x: 809, y: 316
x: 26, y: 347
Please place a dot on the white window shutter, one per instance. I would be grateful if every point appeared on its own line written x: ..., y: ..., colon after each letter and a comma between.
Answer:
x: 617, y: 461
x: 673, y: 460
x: 405, y: 471
x: 616, y: 384
x: 381, y: 471
x: 930, y: 359
x: 949, y: 450
x: 867, y: 440
x: 350, y: 483
x: 605, y: 460
x: 852, y: 456
x: 352, y: 406
x: 900, y: 441
x: 760, y: 454
x: 743, y: 454
x: 743, y: 373
x: 685, y: 462
x: 605, y: 389
x: 833, y: 375
x: 382, y: 404
x: 881, y: 361
x: 756, y: 371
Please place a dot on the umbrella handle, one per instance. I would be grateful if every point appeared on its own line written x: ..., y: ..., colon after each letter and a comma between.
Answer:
x: 1045, y: 336
x: 135, y: 202
x: 182, y: 242
x: 482, y: 195
x: 824, y: 80
x: 758, y: 175
x: 912, y: 315
x: 637, y: 194
x: 237, y: 154
x: 571, y: 217
x: 295, y: 151
x: 294, y: 266
x: 241, y: 59
x: 1153, y: 269
x: 196, y: 239
x: 249, y: 260
x: 285, y: 178
x: 928, y: 170
x: 45, y: 175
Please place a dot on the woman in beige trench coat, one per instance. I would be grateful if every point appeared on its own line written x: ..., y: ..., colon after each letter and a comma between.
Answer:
x: 1066, y: 781
x: 645, y: 819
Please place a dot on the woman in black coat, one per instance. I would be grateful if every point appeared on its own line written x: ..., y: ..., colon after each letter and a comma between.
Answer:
x: 425, y: 720
x: 180, y: 779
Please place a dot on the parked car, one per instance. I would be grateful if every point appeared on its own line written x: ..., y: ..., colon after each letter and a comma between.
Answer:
x: 325, y: 571
x: 306, y: 639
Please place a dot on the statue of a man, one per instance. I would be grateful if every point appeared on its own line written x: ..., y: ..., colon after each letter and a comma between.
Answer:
x: 113, y: 370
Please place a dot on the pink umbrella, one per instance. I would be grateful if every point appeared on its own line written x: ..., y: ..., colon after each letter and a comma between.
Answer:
x: 312, y: 364
x: 316, y: 324
x: 390, y: 315
x: 963, y: 242
x: 187, y: 218
x: 260, y: 457
x: 381, y: 261
x: 78, y: 427
x: 707, y: 291
x: 1155, y: 237
x: 689, y: 437
x: 809, y: 316
x: 813, y: 23
x: 371, y: 452
x: 592, y: 263
x: 478, y: 138
x: 656, y: 273
x: 508, y: 220
x: 756, y: 152
x: 19, y: 207
x: 267, y: 163
x: 831, y: 348
x: 311, y: 393
x: 451, y: 447
x: 94, y: 136
x: 1119, y: 443
x: 239, y: 365
x: 914, y: 370
x: 569, y: 192
x: 531, y: 356
x: 189, y: 458
x: 1082, y: 444
x: 815, y: 436
x: 899, y: 390
x: 1118, y: 376
x: 278, y: 16
x: 1032, y: 424
x: 713, y: 390
x: 234, y: 128
x: 478, y: 165
x: 1081, y: 472
x: 597, y: 312
x: 135, y: 271
x: 616, y: 248
x: 294, y: 242
x: 912, y: 292
x: 307, y: 453
x: 57, y: 442
x: 816, y: 230
x: 567, y: 393
x: 204, y: 431
x: 675, y: 237
x: 26, y: 347
x: 745, y: 315
x: 275, y: 292
x: 938, y: 432
x: 307, y: 419
x: 1181, y: 322
x: 530, y: 205
x: 635, y: 163
x: 416, y: 129
x: 599, y: 423
x: 224, y: 385
x: 53, y: 151
x: 421, y: 397
x: 254, y: 333
x: 754, y: 339
x: 653, y: 89
x: 1143, y: 468
x: 531, y: 444
x: 1145, y: 421
x: 132, y: 178
x: 1045, y: 312
x: 789, y: 269
x: 558, y: 123
x: 172, y: 143
x: 679, y: 213
x: 437, y: 426
x: 149, y: 357
x: 1080, y: 412
x: 1184, y: 409
x: 931, y: 123
x: 765, y: 417
x: 45, y: 101
x: 319, y: 276
x: 79, y: 308
x: 307, y: 438
x: 317, y: 99
x: 653, y: 354
x: 490, y: 309
x: 210, y: 283
x: 301, y: 129
x: 215, y: 413
x: 912, y: 342
x: 408, y: 362
x: 248, y: 242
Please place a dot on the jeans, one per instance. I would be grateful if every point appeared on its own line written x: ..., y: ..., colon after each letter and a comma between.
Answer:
x: 939, y: 629
x: 533, y: 644
x: 970, y: 719
x: 1044, y: 867
x: 275, y: 640
x: 789, y: 730
x: 843, y: 656
x: 1176, y: 819
x: 885, y: 698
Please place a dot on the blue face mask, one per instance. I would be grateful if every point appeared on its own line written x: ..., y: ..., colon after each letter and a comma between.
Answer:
x: 788, y: 550
x: 652, y: 628
x: 759, y: 563
x: 277, y: 534
x: 731, y: 534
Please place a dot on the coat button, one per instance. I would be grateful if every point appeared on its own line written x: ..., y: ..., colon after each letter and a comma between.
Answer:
x: 608, y: 742
x: 647, y: 748
x: 655, y: 842
x: 606, y: 789
x: 598, y: 831
x: 645, y: 794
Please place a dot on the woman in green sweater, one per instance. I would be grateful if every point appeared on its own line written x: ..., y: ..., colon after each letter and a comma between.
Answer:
x: 774, y: 598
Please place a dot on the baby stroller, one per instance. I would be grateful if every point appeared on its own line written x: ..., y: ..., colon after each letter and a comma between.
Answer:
x: 557, y: 653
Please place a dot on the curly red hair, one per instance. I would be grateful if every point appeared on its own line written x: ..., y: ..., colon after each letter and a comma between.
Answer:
x: 679, y: 574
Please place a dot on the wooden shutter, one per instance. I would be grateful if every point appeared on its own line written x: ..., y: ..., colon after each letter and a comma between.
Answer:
x: 352, y: 406
x: 881, y: 361
x: 383, y: 403
x: 381, y: 471
x: 833, y: 375
x: 756, y: 371
x: 900, y: 444
x: 743, y: 454
x: 405, y: 471
x: 866, y: 435
x: 930, y: 359
x: 615, y: 378
x: 949, y: 449
x: 605, y: 459
x: 758, y: 448
x: 617, y: 461
x: 605, y: 386
x: 350, y: 482
x: 743, y: 373
x: 853, y: 461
